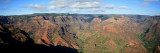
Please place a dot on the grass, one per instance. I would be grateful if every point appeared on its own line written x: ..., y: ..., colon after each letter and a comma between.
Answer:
x: 151, y: 44
x: 82, y: 37
x: 90, y: 37
x: 33, y: 36
x: 53, y: 37
x: 119, y: 49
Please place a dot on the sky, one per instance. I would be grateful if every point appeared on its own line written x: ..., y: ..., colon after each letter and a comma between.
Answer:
x: 135, y: 7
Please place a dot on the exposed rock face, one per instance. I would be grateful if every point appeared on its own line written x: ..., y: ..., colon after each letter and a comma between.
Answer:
x: 151, y: 34
x: 12, y: 39
x: 157, y: 50
x: 92, y: 33
x: 12, y: 36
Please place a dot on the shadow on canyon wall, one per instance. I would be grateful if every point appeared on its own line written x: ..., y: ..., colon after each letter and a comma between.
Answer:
x: 9, y: 44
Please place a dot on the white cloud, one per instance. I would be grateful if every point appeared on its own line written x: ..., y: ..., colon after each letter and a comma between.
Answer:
x: 75, y: 4
x: 75, y: 10
x: 51, y: 8
x: 27, y: 6
x: 64, y: 5
x: 86, y: 5
x: 95, y: 10
x: 37, y: 7
x: 5, y: 1
x: 109, y: 6
x: 123, y: 7
x: 55, y: 2
x: 85, y: 0
x: 152, y: 0
x: 60, y: 3
x: 144, y: 4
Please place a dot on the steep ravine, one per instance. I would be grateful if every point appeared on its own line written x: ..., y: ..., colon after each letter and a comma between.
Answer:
x: 91, y: 33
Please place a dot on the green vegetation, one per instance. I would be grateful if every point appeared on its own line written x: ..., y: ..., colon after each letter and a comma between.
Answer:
x: 33, y: 36
x: 53, y: 37
x: 119, y: 42
x: 82, y: 37
x: 112, y: 42
x: 90, y: 37
x: 119, y: 49
x: 150, y: 42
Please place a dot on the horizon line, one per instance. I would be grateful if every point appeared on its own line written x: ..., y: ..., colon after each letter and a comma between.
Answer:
x: 77, y: 13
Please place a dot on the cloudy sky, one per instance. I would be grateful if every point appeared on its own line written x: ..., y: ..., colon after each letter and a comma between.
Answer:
x: 140, y: 7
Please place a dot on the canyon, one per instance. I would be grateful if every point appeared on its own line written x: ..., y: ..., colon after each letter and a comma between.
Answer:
x: 86, y: 33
